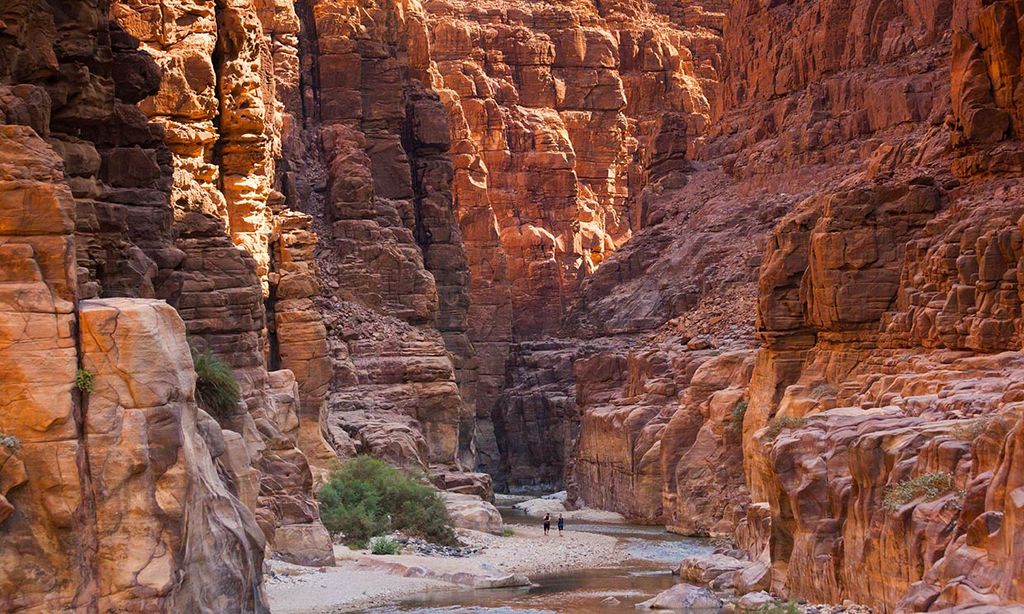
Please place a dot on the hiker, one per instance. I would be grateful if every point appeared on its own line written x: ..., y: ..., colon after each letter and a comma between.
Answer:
x: 547, y: 523
x: 561, y: 524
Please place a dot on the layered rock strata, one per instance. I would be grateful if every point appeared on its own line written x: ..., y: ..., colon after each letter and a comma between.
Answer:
x: 887, y: 307
x: 112, y: 497
x: 525, y: 237
x: 371, y: 168
x: 74, y: 78
x: 559, y: 114
x: 887, y: 311
x: 660, y: 434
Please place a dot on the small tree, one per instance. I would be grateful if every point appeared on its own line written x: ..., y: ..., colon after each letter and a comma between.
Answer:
x: 367, y: 497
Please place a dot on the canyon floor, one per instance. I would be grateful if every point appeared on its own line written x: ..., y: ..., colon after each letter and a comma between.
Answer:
x: 361, y: 580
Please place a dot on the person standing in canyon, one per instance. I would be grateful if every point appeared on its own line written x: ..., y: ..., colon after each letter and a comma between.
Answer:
x: 561, y: 524
x: 547, y: 523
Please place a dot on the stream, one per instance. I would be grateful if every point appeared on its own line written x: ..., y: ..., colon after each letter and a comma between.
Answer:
x: 580, y: 591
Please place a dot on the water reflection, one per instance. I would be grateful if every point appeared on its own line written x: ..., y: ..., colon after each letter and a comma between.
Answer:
x: 585, y: 591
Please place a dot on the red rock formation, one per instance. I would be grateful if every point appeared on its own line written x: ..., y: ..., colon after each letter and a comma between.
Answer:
x: 111, y: 496
x: 559, y: 114
x: 390, y: 255
x: 217, y: 106
x: 73, y: 77
x: 169, y: 534
x: 526, y: 237
x: 884, y: 305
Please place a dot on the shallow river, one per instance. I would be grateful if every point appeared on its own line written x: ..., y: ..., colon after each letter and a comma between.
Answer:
x: 579, y: 591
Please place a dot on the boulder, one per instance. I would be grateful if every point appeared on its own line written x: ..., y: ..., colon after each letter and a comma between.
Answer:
x: 304, y: 544
x: 684, y: 597
x: 706, y: 568
x: 472, y: 512
x: 754, y: 601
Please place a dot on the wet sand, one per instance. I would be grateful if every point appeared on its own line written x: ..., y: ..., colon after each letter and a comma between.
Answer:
x: 362, y: 580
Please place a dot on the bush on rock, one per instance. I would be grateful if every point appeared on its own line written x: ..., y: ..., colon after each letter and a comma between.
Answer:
x: 367, y: 497
x: 217, y: 389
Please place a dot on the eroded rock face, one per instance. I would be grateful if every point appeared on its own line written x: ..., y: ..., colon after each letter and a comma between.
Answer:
x: 44, y: 478
x: 559, y: 115
x: 888, y: 312
x: 189, y: 543
x: 529, y: 238
x: 659, y: 438
x: 77, y: 79
x: 216, y: 103
x: 887, y: 299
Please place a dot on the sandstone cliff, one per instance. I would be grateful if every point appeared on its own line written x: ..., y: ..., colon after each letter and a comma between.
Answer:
x: 879, y: 140
x: 162, y: 506
x: 734, y: 267
x: 109, y: 494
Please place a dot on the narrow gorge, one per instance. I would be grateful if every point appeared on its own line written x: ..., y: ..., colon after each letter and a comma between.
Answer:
x: 742, y: 269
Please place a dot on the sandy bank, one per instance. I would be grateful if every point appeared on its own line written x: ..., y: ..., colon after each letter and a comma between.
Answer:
x: 362, y: 580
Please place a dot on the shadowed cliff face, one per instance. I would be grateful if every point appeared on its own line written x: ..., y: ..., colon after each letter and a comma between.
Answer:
x: 128, y: 495
x: 112, y: 489
x: 856, y: 190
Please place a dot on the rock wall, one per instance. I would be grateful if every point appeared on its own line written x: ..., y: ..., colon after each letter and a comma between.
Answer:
x: 74, y: 79
x: 169, y: 533
x: 370, y: 166
x: 858, y: 191
x: 559, y: 115
x: 733, y: 267
x: 888, y: 313
x: 112, y: 498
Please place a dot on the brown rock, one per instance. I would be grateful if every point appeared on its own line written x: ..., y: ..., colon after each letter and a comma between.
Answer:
x: 683, y: 597
x: 472, y: 512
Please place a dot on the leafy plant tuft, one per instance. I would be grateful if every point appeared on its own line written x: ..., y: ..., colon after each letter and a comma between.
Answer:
x: 85, y: 380
x: 930, y: 486
x: 780, y: 423
x: 739, y: 411
x: 367, y: 497
x: 217, y: 389
x: 383, y: 544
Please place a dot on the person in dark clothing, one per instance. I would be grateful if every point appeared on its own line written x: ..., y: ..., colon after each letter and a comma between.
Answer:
x: 561, y: 524
x: 547, y: 523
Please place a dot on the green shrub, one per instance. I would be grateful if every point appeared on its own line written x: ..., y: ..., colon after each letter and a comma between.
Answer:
x: 217, y: 389
x: 970, y: 429
x: 739, y: 411
x: 507, y: 532
x: 929, y: 486
x: 367, y: 497
x: 85, y: 380
x: 10, y: 442
x: 780, y: 423
x: 824, y: 390
x: 383, y: 544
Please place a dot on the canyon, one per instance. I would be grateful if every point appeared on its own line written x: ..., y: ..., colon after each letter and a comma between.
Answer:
x: 748, y: 269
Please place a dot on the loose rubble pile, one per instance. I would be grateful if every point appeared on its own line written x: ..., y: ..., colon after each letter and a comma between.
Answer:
x: 419, y: 546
